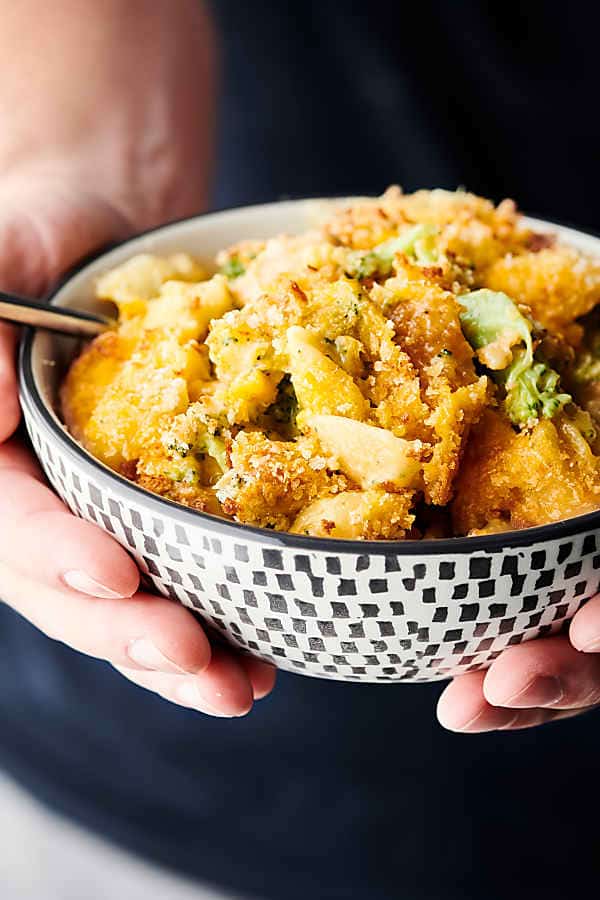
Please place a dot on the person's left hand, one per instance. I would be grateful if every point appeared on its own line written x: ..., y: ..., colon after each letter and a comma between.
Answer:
x: 531, y: 683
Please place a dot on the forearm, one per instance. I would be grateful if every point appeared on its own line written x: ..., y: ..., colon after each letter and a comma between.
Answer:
x: 115, y: 93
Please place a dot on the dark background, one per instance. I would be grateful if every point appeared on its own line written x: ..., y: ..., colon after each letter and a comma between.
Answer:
x: 331, y: 790
x: 338, y: 98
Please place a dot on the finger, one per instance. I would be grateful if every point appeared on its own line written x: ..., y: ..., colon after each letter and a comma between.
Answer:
x: 41, y: 539
x: 145, y: 631
x: 462, y: 707
x: 584, y: 632
x: 262, y: 675
x: 10, y: 411
x: 76, y: 543
x: 547, y: 673
x: 531, y: 718
x: 222, y: 689
x: 169, y: 687
x: 15, y: 455
x: 224, y: 684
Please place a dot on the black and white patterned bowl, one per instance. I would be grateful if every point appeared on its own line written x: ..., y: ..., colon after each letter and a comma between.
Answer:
x: 349, y: 610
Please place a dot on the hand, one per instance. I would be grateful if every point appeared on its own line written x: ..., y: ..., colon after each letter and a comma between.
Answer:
x: 82, y: 587
x: 532, y: 683
x: 79, y: 168
x: 126, y: 150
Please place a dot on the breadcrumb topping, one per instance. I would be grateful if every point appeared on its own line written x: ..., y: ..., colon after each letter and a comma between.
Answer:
x: 325, y: 383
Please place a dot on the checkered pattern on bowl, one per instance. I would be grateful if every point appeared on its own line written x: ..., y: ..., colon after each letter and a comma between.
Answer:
x: 355, y: 611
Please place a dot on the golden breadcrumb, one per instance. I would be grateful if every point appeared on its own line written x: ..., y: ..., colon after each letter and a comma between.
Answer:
x: 558, y: 283
x: 524, y: 479
x: 270, y: 482
x: 338, y: 383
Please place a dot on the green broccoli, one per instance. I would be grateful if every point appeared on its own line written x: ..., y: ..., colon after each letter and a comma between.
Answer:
x: 178, y: 448
x: 587, y: 362
x: 183, y: 473
x: 488, y: 317
x: 214, y: 446
x: 418, y: 243
x: 532, y: 393
x: 285, y: 407
x: 587, y: 368
x: 491, y: 319
x: 233, y: 268
x: 205, y: 443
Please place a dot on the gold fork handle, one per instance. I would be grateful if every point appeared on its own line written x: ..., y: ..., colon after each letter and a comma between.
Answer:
x: 66, y: 321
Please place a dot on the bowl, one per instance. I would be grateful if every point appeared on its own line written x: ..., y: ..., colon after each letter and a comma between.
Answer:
x: 348, y: 610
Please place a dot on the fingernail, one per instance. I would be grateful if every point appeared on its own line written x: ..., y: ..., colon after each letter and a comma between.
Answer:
x: 189, y: 694
x: 81, y: 581
x: 145, y: 653
x: 543, y: 690
x: 592, y: 647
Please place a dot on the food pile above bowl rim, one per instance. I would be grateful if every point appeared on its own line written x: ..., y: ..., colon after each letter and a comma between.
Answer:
x: 418, y: 366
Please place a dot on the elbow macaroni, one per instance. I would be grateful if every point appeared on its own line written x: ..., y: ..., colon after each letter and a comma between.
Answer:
x: 322, y: 383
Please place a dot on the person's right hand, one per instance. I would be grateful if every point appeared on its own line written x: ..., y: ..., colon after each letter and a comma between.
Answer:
x: 99, y: 142
x: 69, y: 578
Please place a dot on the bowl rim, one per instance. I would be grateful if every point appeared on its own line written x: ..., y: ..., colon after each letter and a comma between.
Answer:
x: 32, y: 400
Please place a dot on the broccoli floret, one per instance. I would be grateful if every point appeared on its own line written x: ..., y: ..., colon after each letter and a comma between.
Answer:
x: 587, y: 369
x: 418, y: 243
x: 362, y: 265
x: 214, y: 446
x: 492, y: 318
x: 285, y: 407
x: 204, y: 443
x: 182, y: 473
x: 233, y: 268
x: 587, y: 361
x: 424, y: 250
x: 493, y: 325
x: 584, y: 423
x: 177, y: 448
x: 532, y: 393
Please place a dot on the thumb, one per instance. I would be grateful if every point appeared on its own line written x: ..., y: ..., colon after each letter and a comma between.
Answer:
x: 47, y: 224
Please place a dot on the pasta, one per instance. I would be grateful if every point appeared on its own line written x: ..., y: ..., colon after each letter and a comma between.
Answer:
x: 418, y: 366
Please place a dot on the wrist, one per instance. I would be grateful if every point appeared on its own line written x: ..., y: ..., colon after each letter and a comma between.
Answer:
x: 115, y: 97
x: 48, y: 222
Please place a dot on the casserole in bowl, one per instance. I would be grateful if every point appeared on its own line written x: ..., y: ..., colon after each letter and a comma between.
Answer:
x: 350, y: 610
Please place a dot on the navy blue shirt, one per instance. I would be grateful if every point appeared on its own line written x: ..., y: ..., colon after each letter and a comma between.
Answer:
x: 332, y: 790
